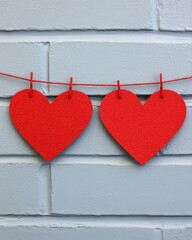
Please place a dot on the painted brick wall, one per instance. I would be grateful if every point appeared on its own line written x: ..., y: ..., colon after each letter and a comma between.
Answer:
x: 95, y: 191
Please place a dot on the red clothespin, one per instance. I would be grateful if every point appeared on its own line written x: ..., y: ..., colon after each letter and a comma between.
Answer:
x: 70, y: 88
x: 119, y: 89
x: 31, y: 85
x: 161, y: 86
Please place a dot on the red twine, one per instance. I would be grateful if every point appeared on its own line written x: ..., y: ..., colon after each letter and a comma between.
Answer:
x: 94, y: 84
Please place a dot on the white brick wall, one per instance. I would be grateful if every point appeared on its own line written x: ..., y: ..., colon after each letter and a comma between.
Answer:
x: 95, y: 190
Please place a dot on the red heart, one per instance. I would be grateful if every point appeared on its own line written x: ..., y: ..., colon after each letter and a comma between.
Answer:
x: 142, y: 130
x: 50, y: 128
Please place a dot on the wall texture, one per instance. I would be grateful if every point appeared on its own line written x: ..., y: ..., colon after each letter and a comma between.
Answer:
x: 94, y: 190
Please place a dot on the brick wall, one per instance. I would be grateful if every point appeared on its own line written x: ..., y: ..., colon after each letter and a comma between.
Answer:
x: 94, y: 190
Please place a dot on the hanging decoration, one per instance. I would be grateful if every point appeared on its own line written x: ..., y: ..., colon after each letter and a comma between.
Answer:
x: 141, y: 129
x: 50, y: 127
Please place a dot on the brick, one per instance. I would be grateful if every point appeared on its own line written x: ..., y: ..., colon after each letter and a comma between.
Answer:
x: 19, y: 188
x: 132, y: 60
x: 71, y: 233
x: 179, y: 233
x: 20, y: 59
x: 107, y: 187
x: 175, y: 15
x: 75, y: 14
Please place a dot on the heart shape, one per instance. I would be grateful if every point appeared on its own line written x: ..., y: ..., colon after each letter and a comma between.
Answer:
x: 142, y: 130
x: 50, y: 127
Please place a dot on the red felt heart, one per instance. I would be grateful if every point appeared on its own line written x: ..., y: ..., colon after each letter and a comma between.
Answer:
x: 142, y: 130
x: 50, y: 127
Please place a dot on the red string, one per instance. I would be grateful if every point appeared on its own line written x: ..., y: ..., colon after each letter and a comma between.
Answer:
x: 94, y: 84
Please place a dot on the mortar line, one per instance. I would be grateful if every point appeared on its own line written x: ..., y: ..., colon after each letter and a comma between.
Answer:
x: 44, y: 65
x: 44, y: 189
x: 154, y: 15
